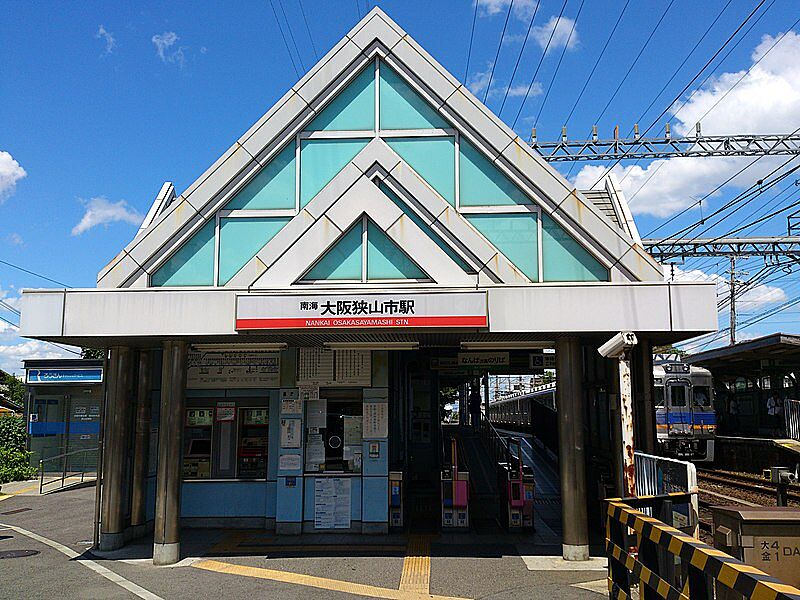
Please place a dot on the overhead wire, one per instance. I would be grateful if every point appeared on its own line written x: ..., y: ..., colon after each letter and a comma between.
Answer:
x: 8, y: 307
x: 34, y: 273
x: 471, y: 38
x: 285, y: 42
x: 539, y: 65
x: 15, y: 326
x: 558, y: 65
x: 308, y: 30
x: 519, y: 56
x: 497, y: 54
x: 291, y: 35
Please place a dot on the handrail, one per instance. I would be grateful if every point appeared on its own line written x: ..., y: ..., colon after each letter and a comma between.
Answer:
x: 643, y: 549
x: 73, y: 473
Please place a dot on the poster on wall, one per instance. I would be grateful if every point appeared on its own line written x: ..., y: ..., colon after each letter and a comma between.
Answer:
x: 226, y: 411
x: 218, y: 369
x: 290, y: 433
x: 317, y: 413
x: 315, y: 452
x: 309, y: 392
x: 315, y: 365
x: 331, y: 503
x: 376, y: 420
x: 290, y: 402
x: 354, y: 367
x: 290, y: 462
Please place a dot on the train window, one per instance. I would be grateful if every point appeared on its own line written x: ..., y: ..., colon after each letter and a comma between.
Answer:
x: 702, y: 396
x: 677, y: 395
x: 659, y: 394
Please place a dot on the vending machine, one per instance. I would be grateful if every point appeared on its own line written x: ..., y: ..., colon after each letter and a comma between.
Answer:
x: 253, y: 443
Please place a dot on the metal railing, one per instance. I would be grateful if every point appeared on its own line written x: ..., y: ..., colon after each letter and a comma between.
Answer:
x: 792, y: 411
x: 496, y: 443
x: 664, y: 562
x: 70, y: 475
x: 658, y: 475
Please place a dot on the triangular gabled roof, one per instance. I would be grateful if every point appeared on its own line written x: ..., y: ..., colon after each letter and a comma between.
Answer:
x: 377, y: 35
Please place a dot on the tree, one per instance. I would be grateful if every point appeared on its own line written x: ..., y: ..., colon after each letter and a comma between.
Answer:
x: 96, y: 353
x: 14, y: 390
x: 14, y: 458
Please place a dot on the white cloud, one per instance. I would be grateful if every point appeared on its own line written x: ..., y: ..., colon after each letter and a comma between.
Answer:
x: 10, y: 173
x: 101, y: 211
x: 164, y: 43
x: 754, y: 298
x: 522, y: 8
x: 12, y: 355
x: 477, y: 83
x: 561, y: 29
x: 15, y: 239
x: 767, y: 100
x: 104, y: 34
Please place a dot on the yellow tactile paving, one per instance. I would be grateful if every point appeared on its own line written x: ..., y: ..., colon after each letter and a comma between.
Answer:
x: 416, y: 575
x: 322, y: 583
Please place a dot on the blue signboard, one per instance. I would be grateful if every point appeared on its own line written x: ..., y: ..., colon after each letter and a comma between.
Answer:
x: 89, y: 375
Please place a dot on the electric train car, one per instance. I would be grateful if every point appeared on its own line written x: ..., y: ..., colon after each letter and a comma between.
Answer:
x: 685, y: 419
x: 515, y: 412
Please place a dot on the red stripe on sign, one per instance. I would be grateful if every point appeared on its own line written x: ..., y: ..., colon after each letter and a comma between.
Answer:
x: 362, y: 322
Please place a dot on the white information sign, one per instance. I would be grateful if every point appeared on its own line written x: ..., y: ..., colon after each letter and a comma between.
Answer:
x: 354, y: 367
x: 233, y: 369
x: 317, y: 413
x: 331, y: 503
x: 315, y: 451
x: 361, y: 311
x: 309, y: 392
x: 315, y: 365
x: 290, y: 433
x: 290, y: 462
x: 290, y: 402
x: 376, y: 420
x: 483, y: 359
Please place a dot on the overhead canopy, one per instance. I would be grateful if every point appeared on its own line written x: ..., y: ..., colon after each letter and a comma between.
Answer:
x: 775, y: 352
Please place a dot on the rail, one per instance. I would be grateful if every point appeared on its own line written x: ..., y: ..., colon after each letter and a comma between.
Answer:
x: 657, y: 475
x: 792, y: 411
x: 667, y: 563
x: 76, y: 476
x: 496, y: 443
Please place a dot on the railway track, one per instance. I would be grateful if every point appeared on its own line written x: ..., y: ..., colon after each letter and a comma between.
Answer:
x: 742, y: 482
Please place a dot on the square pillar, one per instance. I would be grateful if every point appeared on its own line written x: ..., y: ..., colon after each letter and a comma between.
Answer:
x: 167, y: 528
x: 141, y: 443
x: 571, y: 450
x: 115, y: 441
x: 644, y: 410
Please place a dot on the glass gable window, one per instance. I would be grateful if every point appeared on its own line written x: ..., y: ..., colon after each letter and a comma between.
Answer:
x: 385, y: 260
x: 402, y: 108
x: 353, y: 109
x: 564, y: 259
x: 515, y: 235
x: 321, y: 160
x: 433, y: 158
x: 241, y: 238
x: 343, y: 261
x: 482, y: 184
x: 272, y: 188
x: 192, y: 264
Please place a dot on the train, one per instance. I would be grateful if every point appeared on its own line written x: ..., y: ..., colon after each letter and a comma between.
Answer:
x: 686, y: 421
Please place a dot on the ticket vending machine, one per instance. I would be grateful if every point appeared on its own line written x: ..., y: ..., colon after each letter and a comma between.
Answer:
x: 518, y: 487
x: 455, y: 493
x: 396, y: 499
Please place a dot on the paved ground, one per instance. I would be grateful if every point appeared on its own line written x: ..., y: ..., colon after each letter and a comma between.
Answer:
x: 236, y: 564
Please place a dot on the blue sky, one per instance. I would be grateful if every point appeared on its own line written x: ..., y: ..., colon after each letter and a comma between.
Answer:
x: 102, y: 102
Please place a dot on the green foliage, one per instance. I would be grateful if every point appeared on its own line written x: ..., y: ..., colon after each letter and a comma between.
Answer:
x: 15, y: 390
x: 96, y: 353
x: 14, y: 458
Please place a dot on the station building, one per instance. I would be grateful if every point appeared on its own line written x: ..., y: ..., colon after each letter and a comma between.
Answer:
x: 279, y: 332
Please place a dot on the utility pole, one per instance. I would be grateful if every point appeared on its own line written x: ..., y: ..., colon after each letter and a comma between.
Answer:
x: 733, y: 300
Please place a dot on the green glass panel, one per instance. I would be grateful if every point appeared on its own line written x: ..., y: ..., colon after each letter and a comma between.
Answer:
x: 426, y: 228
x: 192, y: 264
x: 481, y: 183
x: 385, y: 260
x: 402, y: 108
x: 321, y: 160
x: 342, y: 261
x: 564, y: 259
x: 273, y: 187
x: 353, y: 109
x: 516, y: 236
x: 241, y: 238
x: 433, y: 158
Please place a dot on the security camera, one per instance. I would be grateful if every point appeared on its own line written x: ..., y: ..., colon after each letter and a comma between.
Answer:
x: 618, y: 345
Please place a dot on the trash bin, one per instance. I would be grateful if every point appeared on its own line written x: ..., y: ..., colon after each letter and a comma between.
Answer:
x: 765, y: 537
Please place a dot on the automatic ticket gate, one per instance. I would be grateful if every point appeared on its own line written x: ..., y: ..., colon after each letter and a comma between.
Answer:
x: 517, y: 486
x: 455, y: 493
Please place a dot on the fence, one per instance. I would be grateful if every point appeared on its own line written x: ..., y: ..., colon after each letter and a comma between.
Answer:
x: 670, y: 564
x: 792, y: 411
x: 657, y: 475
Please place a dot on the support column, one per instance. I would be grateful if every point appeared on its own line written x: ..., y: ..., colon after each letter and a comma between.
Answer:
x: 166, y: 535
x: 571, y: 459
x: 644, y: 411
x: 626, y: 421
x: 117, y: 429
x: 141, y: 444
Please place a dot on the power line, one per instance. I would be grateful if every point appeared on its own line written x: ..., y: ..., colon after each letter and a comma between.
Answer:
x: 285, y: 43
x: 497, y: 54
x: 39, y: 275
x: 597, y: 62
x: 519, y: 56
x: 558, y: 66
x: 471, y: 37
x: 308, y: 30
x: 7, y: 306
x: 538, y: 66
x: 15, y: 326
x: 291, y: 35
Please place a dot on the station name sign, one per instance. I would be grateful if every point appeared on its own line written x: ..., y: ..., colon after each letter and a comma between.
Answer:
x: 360, y: 311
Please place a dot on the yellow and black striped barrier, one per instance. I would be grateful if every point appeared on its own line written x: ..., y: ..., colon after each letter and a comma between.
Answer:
x: 643, y: 550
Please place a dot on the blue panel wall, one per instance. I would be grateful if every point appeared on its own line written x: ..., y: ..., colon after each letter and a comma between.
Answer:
x: 433, y: 158
x: 241, y: 238
x: 223, y: 498
x: 376, y: 500
x: 402, y: 108
x: 355, y: 499
x: 192, y: 264
x: 343, y: 260
x: 385, y: 259
x: 564, y: 259
x: 353, y: 109
x: 273, y: 187
x: 515, y: 235
x: 481, y: 183
x: 321, y: 160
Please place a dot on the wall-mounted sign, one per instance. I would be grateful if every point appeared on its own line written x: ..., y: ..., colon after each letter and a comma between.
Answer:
x: 483, y: 359
x: 543, y: 361
x: 226, y: 411
x: 360, y: 311
x: 233, y: 369
x: 89, y: 375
